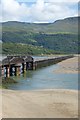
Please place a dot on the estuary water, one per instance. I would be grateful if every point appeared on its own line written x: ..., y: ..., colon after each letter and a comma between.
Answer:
x: 45, y: 78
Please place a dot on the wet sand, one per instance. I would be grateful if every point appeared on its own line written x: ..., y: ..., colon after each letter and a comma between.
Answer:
x: 58, y: 103
x: 40, y: 104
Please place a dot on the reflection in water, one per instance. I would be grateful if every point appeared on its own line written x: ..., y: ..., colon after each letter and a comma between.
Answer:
x: 45, y: 78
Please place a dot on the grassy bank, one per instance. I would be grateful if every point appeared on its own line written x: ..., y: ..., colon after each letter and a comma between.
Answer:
x: 7, y: 81
x: 0, y: 86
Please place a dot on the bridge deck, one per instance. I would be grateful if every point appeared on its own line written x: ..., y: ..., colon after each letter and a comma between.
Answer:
x: 36, y: 59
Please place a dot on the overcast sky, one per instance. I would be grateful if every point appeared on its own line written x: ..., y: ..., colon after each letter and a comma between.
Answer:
x: 38, y: 11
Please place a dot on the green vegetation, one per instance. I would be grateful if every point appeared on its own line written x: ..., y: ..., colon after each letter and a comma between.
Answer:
x: 58, y: 42
x: 0, y: 86
x: 18, y: 48
x: 7, y: 81
x: 49, y: 38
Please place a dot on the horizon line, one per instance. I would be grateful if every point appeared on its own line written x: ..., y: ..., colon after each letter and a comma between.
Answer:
x: 39, y: 22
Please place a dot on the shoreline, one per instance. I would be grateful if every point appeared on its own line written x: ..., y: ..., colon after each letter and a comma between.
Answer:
x: 40, y: 90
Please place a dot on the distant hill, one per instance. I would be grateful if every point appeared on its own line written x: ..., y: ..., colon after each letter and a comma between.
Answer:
x: 68, y: 25
x: 62, y: 35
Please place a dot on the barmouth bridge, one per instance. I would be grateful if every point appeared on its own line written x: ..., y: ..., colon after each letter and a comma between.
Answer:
x: 17, y: 64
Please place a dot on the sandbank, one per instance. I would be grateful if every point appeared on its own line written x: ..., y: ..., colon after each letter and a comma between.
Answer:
x: 69, y: 66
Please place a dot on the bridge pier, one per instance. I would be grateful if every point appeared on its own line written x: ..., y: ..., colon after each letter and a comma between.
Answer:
x: 11, y: 70
x: 7, y: 68
x: 17, y: 70
x: 34, y: 65
x: 23, y: 67
x: 29, y: 65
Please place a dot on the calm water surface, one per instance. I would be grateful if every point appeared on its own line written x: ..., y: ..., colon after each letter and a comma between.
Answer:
x: 45, y: 78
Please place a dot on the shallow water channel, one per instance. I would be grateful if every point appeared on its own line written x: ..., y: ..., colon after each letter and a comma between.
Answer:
x: 45, y: 78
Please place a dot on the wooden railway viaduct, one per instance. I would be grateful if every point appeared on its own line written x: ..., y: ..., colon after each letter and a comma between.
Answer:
x: 16, y: 64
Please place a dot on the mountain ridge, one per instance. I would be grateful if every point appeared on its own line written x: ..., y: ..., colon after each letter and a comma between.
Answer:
x: 62, y: 35
x: 70, y: 18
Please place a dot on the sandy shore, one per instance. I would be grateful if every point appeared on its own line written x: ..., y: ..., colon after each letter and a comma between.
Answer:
x: 40, y: 104
x: 69, y: 66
